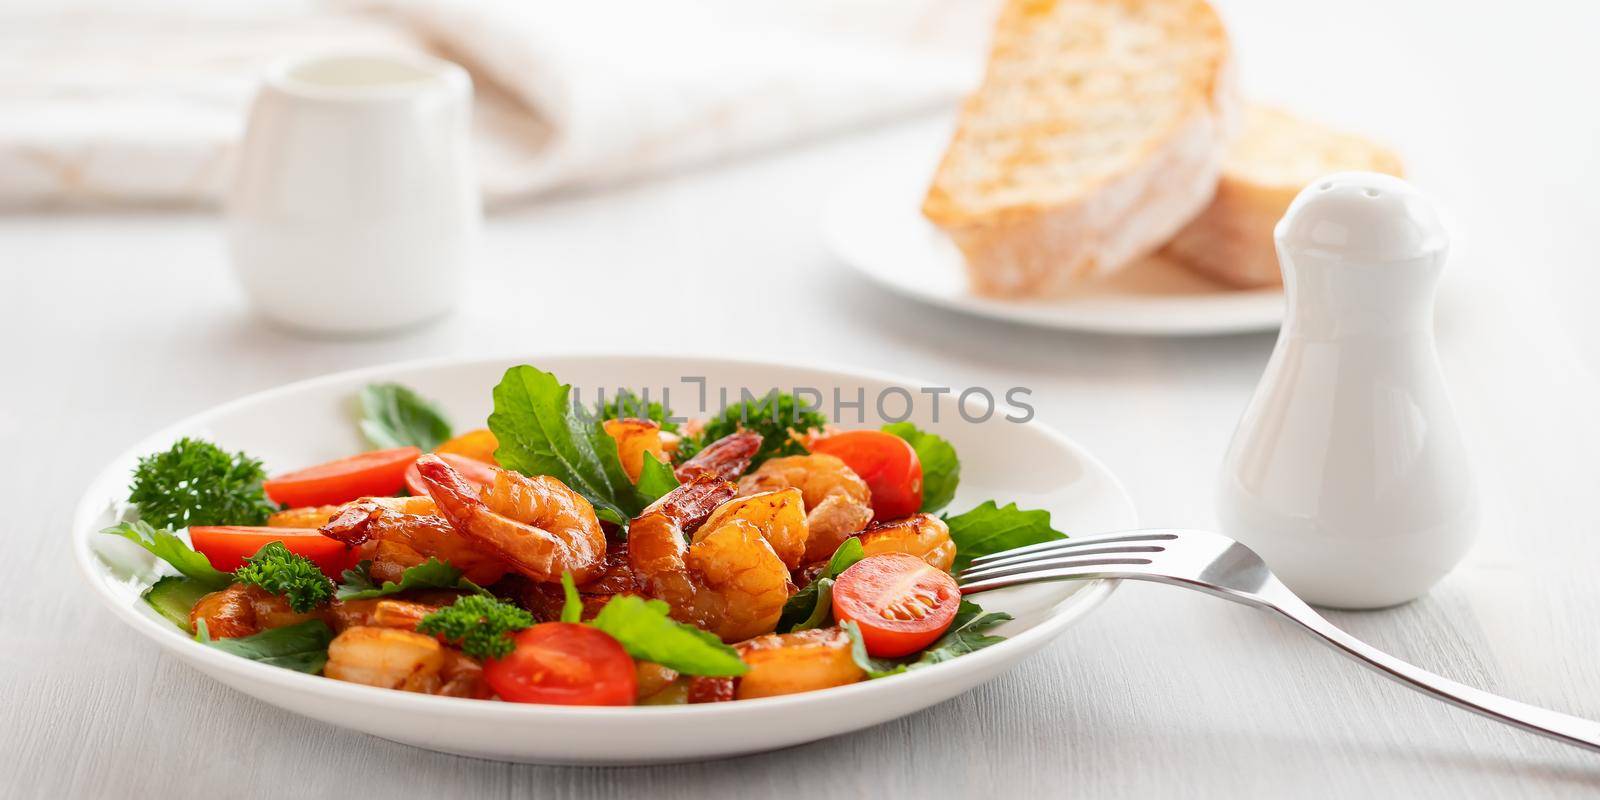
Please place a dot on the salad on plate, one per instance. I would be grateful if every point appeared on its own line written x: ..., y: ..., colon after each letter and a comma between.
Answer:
x: 579, y: 555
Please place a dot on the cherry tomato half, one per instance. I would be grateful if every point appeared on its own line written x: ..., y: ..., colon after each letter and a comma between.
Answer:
x: 375, y: 474
x: 564, y: 663
x: 471, y: 470
x: 888, y: 464
x: 227, y: 546
x: 899, y: 602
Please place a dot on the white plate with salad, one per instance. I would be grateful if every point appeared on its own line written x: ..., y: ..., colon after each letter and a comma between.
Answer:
x: 591, y: 559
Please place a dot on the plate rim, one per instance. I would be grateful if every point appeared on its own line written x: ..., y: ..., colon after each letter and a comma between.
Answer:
x: 92, y: 503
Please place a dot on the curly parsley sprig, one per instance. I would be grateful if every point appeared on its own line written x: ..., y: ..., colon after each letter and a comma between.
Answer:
x: 480, y: 626
x: 282, y: 572
x: 198, y: 483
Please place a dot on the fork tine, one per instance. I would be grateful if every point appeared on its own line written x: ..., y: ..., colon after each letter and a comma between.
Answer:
x: 1052, y: 559
x: 1065, y: 546
x: 1083, y: 569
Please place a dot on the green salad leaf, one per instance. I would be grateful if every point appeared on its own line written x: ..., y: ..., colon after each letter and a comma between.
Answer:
x: 646, y: 631
x: 395, y: 416
x: 302, y: 647
x: 812, y: 606
x: 198, y: 483
x: 965, y: 635
x: 481, y: 626
x: 293, y: 576
x: 991, y: 528
x: 572, y: 605
x: 165, y: 545
x: 941, y: 469
x: 357, y: 583
x: 541, y: 433
x: 772, y: 415
x: 629, y: 404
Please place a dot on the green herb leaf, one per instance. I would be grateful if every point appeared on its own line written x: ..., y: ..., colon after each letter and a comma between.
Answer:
x: 480, y: 625
x: 572, y: 607
x: 629, y: 404
x: 302, y: 647
x: 395, y: 416
x: 965, y: 635
x: 541, y: 433
x: 646, y: 631
x: 174, y: 597
x: 357, y: 583
x: 197, y: 483
x: 991, y: 529
x: 293, y: 576
x: 165, y: 545
x: 772, y: 415
x: 812, y: 607
x: 941, y: 469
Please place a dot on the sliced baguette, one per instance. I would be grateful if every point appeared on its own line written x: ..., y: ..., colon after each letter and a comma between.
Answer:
x: 1098, y: 131
x: 1274, y: 156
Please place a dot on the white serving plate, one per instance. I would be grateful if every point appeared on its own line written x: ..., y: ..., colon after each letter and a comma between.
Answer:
x: 874, y: 224
x: 312, y: 421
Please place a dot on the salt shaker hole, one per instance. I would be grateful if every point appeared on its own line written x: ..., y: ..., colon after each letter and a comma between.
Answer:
x: 1326, y: 185
x: 1370, y: 192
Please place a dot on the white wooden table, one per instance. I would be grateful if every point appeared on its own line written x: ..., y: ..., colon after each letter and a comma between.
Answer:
x: 113, y: 325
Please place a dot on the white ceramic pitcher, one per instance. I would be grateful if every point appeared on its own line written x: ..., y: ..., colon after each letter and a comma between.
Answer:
x: 1347, y: 472
x: 355, y: 207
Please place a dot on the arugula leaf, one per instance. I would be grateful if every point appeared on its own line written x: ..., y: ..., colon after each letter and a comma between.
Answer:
x: 431, y: 574
x: 941, y: 469
x: 302, y: 647
x: 541, y: 433
x: 772, y: 415
x: 629, y: 404
x: 812, y: 607
x: 648, y: 634
x: 481, y: 626
x: 965, y: 635
x: 395, y: 416
x: 990, y: 529
x: 165, y: 545
x: 572, y: 606
x: 290, y: 575
x: 198, y: 483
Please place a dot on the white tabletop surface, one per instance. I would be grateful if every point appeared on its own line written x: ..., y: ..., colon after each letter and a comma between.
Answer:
x: 114, y: 325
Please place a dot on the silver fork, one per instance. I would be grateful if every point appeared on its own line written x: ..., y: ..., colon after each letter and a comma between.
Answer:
x: 1219, y: 566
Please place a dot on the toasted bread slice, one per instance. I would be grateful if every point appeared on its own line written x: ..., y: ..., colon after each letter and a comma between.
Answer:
x: 1098, y: 131
x: 1274, y: 156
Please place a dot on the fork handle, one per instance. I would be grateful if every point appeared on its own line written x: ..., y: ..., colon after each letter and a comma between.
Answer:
x: 1558, y: 726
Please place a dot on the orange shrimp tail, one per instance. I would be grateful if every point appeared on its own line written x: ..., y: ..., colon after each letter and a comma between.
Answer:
x: 352, y: 525
x: 727, y: 458
x: 691, y: 504
x: 455, y: 497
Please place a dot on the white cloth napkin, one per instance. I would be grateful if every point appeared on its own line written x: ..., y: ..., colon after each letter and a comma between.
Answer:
x: 140, y: 104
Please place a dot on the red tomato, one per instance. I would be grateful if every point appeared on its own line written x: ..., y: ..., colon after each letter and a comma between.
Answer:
x: 376, y: 474
x: 471, y: 470
x: 564, y: 663
x: 227, y: 546
x: 888, y: 464
x: 900, y: 603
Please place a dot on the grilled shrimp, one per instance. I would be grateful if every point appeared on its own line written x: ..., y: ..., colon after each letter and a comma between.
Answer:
x: 546, y: 600
x: 922, y: 535
x: 784, y: 663
x: 303, y: 517
x: 780, y: 516
x: 727, y: 580
x: 400, y: 659
x: 537, y: 525
x: 635, y: 437
x: 395, y: 533
x: 837, y: 501
x: 727, y: 458
x: 243, y: 609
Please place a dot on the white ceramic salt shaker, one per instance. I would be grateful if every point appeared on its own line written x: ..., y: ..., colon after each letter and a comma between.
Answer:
x: 1347, y: 472
x: 355, y: 207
